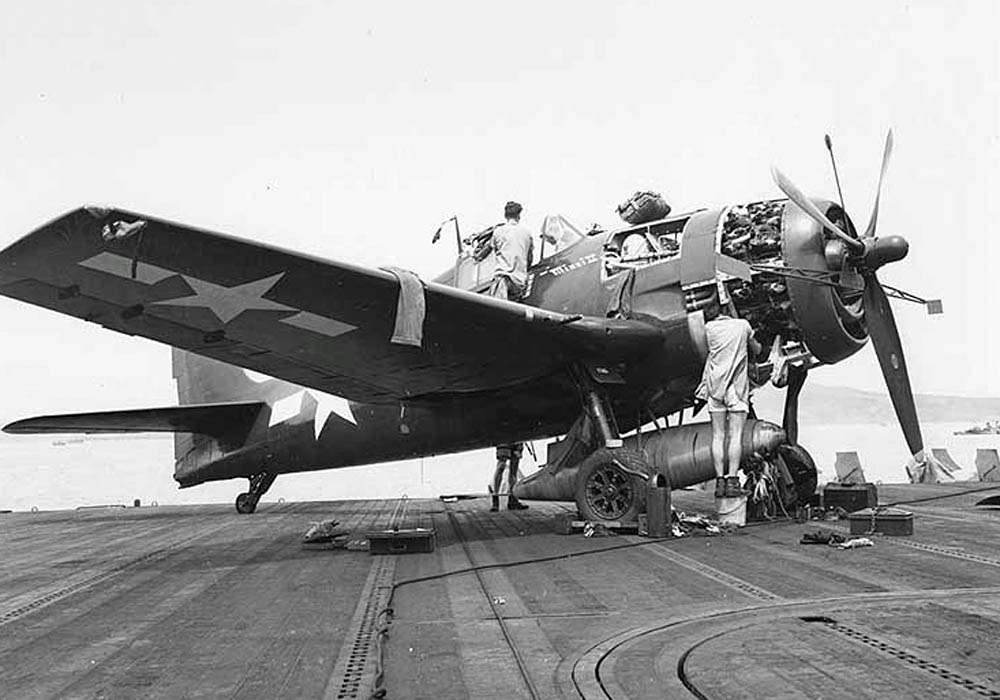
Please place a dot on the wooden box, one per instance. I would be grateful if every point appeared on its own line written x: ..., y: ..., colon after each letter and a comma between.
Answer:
x: 888, y: 521
x: 420, y: 539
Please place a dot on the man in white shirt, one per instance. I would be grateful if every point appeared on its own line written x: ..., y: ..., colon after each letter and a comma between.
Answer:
x: 726, y: 387
x: 513, y: 246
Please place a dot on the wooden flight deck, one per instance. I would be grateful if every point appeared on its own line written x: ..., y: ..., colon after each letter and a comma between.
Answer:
x: 197, y: 601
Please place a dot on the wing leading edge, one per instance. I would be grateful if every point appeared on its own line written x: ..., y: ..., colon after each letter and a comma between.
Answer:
x: 317, y: 323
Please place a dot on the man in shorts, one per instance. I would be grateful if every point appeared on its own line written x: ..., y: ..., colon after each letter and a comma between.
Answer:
x: 726, y: 387
x: 508, y: 457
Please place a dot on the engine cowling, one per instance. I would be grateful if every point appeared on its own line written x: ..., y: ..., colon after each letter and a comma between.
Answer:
x: 801, y: 288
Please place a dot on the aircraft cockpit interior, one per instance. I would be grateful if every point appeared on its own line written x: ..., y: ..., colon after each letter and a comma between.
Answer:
x: 642, y: 245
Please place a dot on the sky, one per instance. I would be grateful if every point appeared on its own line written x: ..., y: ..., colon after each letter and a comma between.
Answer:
x: 351, y: 131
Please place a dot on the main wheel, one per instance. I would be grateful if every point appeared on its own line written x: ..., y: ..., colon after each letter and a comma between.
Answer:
x: 609, y: 486
x: 246, y: 503
x: 802, y: 468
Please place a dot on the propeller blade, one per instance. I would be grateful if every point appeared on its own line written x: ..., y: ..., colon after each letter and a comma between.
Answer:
x: 796, y: 195
x: 889, y: 349
x: 886, y: 154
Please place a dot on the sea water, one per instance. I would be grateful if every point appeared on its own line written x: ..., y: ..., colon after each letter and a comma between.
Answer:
x: 48, y: 472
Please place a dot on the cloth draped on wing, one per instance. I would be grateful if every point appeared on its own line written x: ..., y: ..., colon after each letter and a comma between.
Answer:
x: 410, y: 309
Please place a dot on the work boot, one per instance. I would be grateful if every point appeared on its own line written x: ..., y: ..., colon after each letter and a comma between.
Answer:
x: 496, y: 504
x: 514, y: 504
x: 733, y: 489
x: 720, y: 487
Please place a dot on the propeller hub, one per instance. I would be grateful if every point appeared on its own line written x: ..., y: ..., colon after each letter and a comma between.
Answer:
x: 835, y: 253
x: 880, y: 251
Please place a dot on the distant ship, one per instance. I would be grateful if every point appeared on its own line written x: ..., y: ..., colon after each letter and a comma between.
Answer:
x: 989, y: 428
x: 71, y: 441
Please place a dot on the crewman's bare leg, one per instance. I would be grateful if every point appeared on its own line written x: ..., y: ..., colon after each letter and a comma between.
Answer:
x: 719, y: 451
x: 497, y: 480
x: 512, y: 502
x: 734, y: 455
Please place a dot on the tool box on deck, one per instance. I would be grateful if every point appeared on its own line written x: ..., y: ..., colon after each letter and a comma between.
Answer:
x: 420, y: 539
x: 883, y: 521
x: 850, y: 497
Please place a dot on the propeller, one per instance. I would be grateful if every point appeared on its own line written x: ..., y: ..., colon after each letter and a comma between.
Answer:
x: 885, y: 337
x: 866, y: 255
x: 796, y: 195
x: 886, y: 154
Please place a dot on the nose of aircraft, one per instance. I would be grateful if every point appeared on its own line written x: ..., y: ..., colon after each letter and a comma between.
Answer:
x: 880, y: 251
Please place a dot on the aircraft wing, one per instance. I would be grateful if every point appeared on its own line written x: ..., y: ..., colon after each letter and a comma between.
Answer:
x: 218, y: 420
x: 317, y: 323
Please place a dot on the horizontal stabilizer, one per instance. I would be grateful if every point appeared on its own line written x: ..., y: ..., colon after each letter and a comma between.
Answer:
x: 226, y: 421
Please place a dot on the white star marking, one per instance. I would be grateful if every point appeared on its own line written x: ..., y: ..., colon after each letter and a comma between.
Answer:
x: 229, y: 302
x: 327, y: 404
x: 293, y: 406
x: 120, y: 266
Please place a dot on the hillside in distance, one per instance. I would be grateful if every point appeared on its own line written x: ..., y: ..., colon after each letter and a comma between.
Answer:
x: 840, y: 405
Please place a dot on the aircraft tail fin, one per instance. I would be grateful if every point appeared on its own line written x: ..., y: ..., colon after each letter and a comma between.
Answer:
x: 203, y: 380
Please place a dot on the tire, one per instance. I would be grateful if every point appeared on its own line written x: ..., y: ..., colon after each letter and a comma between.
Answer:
x: 246, y: 503
x: 802, y: 468
x: 605, y: 491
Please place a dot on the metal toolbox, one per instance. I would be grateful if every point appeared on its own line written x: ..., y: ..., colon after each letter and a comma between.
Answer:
x: 420, y: 539
x: 883, y: 521
x: 850, y: 497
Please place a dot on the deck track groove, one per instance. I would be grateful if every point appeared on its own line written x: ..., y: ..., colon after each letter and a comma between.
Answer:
x: 188, y: 624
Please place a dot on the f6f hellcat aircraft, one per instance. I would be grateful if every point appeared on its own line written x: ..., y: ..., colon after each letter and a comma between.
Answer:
x: 287, y: 363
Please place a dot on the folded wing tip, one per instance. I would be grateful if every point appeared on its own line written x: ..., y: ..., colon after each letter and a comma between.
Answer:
x: 98, y: 211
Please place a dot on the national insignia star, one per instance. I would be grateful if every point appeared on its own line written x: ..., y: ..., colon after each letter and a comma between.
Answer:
x: 229, y: 302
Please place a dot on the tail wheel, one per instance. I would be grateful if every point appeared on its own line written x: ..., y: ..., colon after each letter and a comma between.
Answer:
x: 246, y: 503
x: 611, y: 485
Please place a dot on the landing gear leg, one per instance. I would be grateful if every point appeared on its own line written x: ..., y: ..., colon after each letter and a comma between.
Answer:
x: 246, y: 503
x: 790, y: 421
x: 597, y: 408
x: 611, y: 481
x: 798, y: 463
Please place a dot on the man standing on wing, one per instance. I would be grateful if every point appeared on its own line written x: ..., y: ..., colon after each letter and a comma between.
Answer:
x: 513, y: 245
x: 726, y: 387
